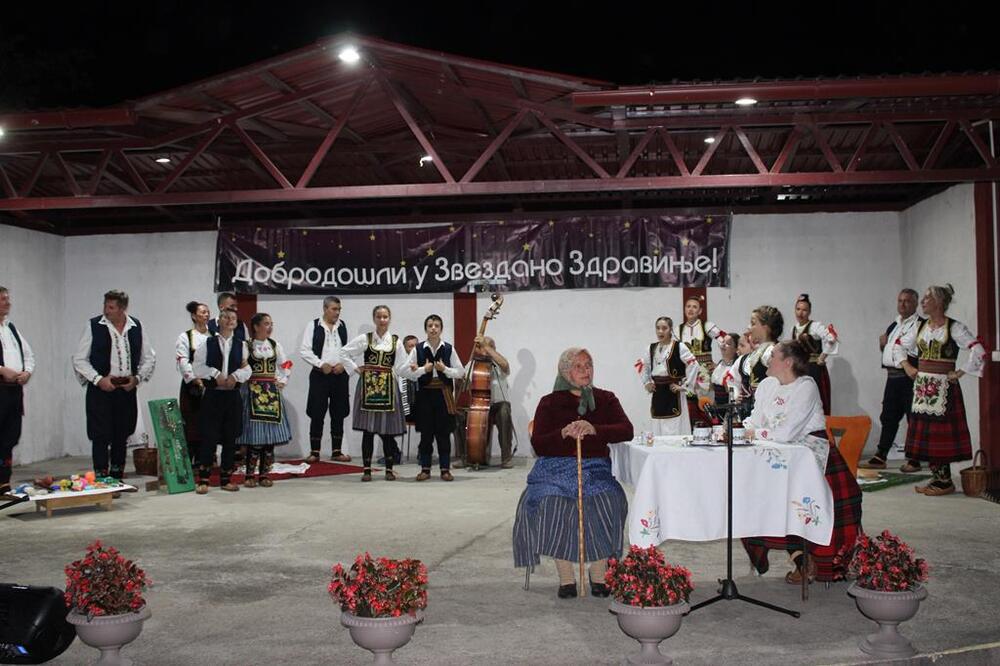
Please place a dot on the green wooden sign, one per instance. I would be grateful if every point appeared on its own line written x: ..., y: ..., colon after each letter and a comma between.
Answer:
x: 175, y: 465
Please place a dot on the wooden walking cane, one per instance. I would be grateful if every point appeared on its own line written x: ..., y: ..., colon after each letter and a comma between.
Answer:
x: 579, y: 509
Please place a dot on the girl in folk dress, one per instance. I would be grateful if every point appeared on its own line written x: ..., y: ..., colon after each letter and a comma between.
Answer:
x: 265, y: 421
x: 192, y: 388
x: 669, y: 370
x: 820, y: 340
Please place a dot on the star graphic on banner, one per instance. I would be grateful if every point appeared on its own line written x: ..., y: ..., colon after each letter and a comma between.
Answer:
x: 305, y: 233
x: 500, y: 222
x: 430, y: 252
x: 656, y: 250
x: 526, y: 246
x: 628, y: 225
x: 372, y: 237
x: 340, y: 246
x: 451, y: 228
x: 475, y: 235
x: 403, y: 262
x: 552, y: 223
x: 708, y: 220
x: 591, y: 234
x: 281, y: 254
x: 685, y: 241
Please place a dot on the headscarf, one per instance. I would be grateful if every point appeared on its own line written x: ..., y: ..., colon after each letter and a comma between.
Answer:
x: 564, y: 383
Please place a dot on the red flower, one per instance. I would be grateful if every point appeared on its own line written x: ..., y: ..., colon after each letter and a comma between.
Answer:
x: 104, y: 583
x: 644, y: 578
x: 380, y: 587
x: 884, y: 563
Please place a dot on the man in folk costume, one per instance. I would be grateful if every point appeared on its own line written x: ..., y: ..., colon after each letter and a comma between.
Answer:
x: 898, y: 394
x: 435, y: 366
x: 17, y: 362
x: 938, y: 430
x: 322, y: 341
x: 668, y: 370
x: 112, y: 359
x: 698, y: 335
x: 227, y: 301
x: 221, y: 364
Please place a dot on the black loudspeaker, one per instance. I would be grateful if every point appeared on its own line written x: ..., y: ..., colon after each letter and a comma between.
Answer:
x: 33, y: 627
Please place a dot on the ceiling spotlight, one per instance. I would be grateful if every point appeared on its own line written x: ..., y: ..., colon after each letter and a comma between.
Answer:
x: 163, y: 160
x: 425, y: 159
x: 709, y: 139
x: 1, y: 131
x: 746, y: 101
x: 349, y: 55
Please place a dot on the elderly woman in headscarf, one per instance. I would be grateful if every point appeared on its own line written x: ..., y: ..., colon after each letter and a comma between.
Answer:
x: 546, y: 520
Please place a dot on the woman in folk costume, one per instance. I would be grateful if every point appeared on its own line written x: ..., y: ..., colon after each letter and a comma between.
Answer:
x: 668, y: 371
x: 787, y: 408
x: 265, y: 421
x: 820, y: 340
x: 724, y: 372
x: 192, y: 387
x: 938, y: 431
x: 378, y: 406
x: 698, y: 336
x: 766, y: 324
x: 547, y: 518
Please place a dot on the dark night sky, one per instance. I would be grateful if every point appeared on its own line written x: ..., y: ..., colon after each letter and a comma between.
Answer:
x: 103, y: 52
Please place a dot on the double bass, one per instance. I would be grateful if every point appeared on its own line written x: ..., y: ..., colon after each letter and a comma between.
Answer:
x: 477, y: 386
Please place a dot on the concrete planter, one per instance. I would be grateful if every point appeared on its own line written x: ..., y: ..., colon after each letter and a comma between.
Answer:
x: 381, y: 635
x: 109, y: 633
x: 887, y: 609
x: 649, y: 626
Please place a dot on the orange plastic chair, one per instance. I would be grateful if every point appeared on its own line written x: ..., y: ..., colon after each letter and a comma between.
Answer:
x: 853, y: 431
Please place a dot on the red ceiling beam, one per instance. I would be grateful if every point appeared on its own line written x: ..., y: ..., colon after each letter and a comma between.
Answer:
x: 507, y: 188
x: 102, y: 164
x: 33, y: 178
x: 791, y: 143
x: 977, y: 141
x: 859, y: 152
x: 939, y: 144
x: 71, y: 183
x: 634, y: 155
x: 747, y: 146
x: 129, y: 168
x: 494, y: 146
x: 261, y: 157
x: 8, y: 187
x: 331, y: 136
x: 50, y: 120
x: 779, y: 91
x: 709, y: 152
x: 904, y: 150
x: 186, y: 162
x: 824, y: 147
x: 573, y: 146
x: 675, y: 153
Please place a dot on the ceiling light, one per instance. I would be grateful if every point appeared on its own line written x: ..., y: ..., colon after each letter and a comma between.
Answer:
x: 1, y: 131
x: 746, y: 101
x: 163, y: 160
x: 425, y: 159
x: 349, y: 55
x: 709, y: 139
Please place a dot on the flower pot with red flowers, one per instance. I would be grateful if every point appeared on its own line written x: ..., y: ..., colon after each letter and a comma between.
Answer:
x: 887, y: 588
x: 104, y: 595
x: 649, y: 597
x: 381, y: 602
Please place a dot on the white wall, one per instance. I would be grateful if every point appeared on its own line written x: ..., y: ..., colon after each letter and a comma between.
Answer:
x: 31, y: 267
x: 851, y: 264
x: 937, y: 239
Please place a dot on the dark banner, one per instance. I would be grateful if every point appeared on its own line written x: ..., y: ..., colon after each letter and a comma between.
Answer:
x: 576, y: 252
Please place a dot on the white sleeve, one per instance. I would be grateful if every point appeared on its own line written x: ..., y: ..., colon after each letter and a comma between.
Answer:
x: 282, y: 365
x: 29, y: 355
x: 457, y: 370
x: 827, y: 335
x: 199, y: 364
x: 765, y: 358
x: 402, y: 365
x: 81, y: 359
x: 977, y: 353
x: 646, y: 362
x: 183, y: 352
x: 353, y: 349
x: 148, y: 361
x: 691, y: 369
x: 242, y: 374
x: 306, y: 350
x: 906, y: 344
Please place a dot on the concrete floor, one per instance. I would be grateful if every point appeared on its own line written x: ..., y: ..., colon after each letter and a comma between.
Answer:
x: 240, y: 578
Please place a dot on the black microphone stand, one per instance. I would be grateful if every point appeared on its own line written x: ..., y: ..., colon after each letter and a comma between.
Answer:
x: 727, y: 586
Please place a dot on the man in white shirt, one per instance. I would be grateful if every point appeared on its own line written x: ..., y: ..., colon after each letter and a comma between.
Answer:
x: 17, y: 362
x: 898, y: 395
x: 221, y: 363
x: 329, y: 386
x: 112, y: 359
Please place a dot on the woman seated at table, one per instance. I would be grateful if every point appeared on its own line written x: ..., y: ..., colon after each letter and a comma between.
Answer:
x: 546, y: 519
x: 787, y: 408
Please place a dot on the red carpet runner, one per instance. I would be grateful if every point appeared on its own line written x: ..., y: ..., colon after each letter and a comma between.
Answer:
x: 315, y: 469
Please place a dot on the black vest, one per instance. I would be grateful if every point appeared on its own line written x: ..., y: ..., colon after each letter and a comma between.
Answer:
x: 424, y: 354
x: 675, y: 366
x: 213, y: 354
x: 813, y: 346
x: 319, y: 336
x: 100, y: 346
x: 20, y: 345
x: 239, y: 334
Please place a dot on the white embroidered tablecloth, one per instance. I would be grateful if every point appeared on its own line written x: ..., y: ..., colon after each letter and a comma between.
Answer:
x: 680, y: 491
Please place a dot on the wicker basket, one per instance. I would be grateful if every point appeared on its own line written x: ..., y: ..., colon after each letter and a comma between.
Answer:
x: 145, y: 460
x: 976, y: 479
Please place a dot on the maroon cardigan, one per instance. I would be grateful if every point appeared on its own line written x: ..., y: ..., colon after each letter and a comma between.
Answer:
x: 557, y: 410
